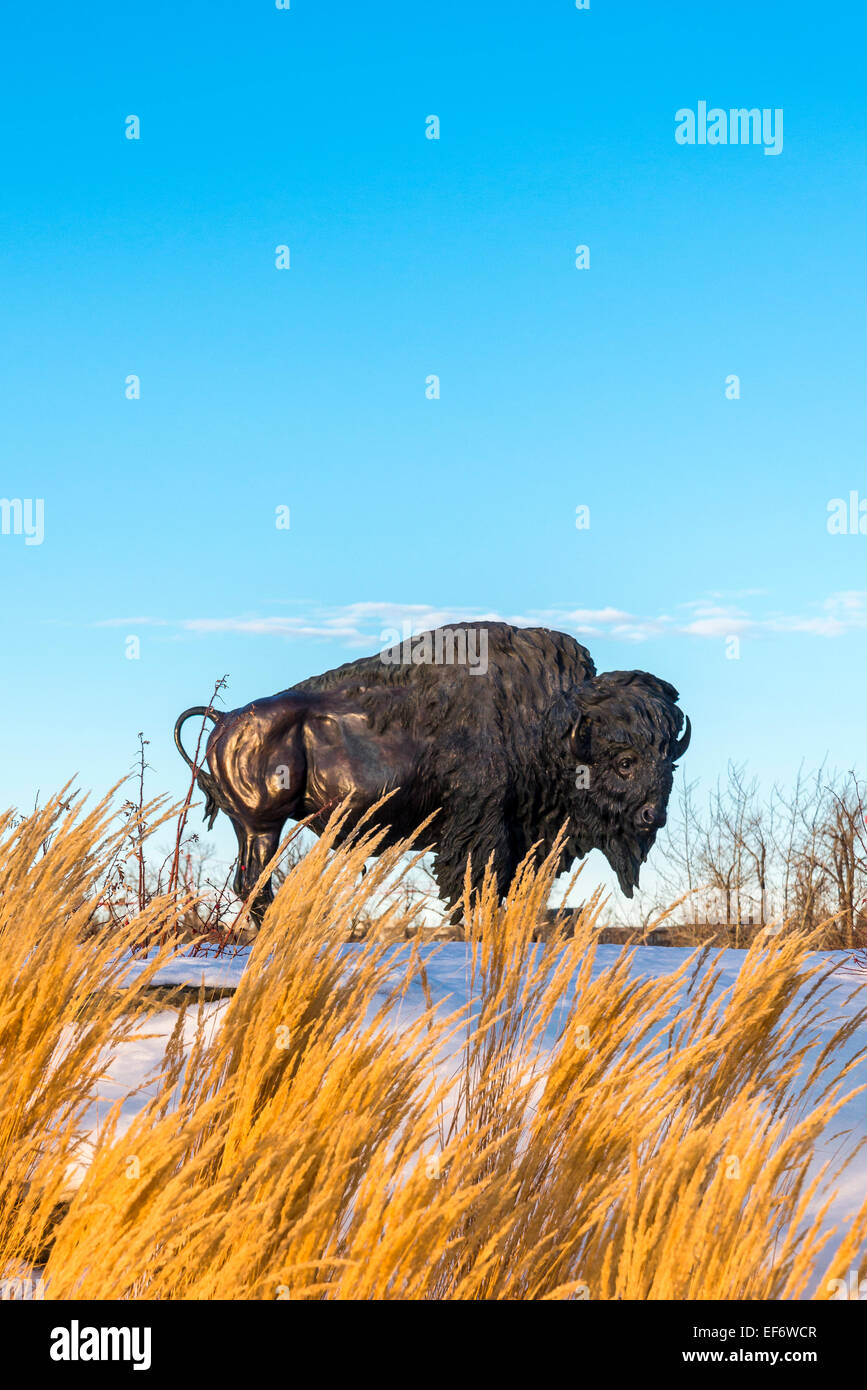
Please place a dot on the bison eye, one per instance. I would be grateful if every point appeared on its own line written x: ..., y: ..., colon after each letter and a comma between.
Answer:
x: 625, y: 765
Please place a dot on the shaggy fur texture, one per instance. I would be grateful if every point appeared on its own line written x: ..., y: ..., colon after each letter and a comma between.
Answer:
x: 501, y: 762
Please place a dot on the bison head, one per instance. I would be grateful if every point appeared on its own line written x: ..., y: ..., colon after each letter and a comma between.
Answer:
x: 626, y: 740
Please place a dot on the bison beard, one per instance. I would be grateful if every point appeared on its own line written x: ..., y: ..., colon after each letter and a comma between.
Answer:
x: 505, y: 758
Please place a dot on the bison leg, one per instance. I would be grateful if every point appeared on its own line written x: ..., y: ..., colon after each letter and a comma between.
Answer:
x: 241, y: 836
x: 255, y: 849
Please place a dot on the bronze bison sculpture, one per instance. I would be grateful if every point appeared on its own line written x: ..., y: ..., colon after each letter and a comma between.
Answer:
x: 503, y: 754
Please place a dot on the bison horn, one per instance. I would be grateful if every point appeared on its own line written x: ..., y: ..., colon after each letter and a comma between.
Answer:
x: 683, y: 743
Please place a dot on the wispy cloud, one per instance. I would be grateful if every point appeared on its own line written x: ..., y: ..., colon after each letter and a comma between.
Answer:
x: 354, y: 623
x: 364, y: 624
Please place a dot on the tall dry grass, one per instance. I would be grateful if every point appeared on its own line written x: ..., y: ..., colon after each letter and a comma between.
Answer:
x: 570, y: 1134
x: 66, y: 1002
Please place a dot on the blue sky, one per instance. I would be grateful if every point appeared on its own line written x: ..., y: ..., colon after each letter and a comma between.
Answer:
x: 306, y: 387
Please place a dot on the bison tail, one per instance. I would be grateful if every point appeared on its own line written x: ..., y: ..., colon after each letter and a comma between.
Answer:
x: 200, y: 711
x: 204, y: 779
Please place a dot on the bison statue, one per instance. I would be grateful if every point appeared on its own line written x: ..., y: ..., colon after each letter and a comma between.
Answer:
x: 504, y: 754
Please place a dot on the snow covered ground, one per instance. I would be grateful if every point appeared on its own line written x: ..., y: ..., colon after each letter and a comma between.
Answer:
x: 448, y: 974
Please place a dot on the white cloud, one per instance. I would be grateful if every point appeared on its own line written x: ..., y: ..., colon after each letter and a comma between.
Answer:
x: 363, y: 624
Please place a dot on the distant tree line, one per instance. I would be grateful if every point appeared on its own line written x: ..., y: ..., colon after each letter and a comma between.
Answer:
x: 747, y: 858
